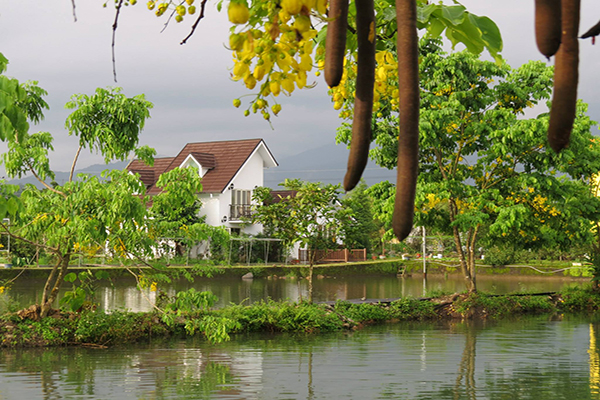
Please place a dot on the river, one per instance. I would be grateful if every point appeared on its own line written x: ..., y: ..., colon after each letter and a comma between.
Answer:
x: 529, y: 358
x: 123, y: 293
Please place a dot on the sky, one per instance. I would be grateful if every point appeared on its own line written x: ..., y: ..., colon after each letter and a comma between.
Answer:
x: 190, y: 84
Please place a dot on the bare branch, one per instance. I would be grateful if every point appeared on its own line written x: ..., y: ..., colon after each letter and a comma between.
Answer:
x: 74, y: 162
x: 168, y: 21
x: 74, y: 14
x: 114, y: 34
x: 43, y: 182
x: 12, y: 235
x: 200, y: 16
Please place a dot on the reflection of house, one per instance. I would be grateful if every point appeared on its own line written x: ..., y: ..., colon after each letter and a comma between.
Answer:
x: 230, y: 170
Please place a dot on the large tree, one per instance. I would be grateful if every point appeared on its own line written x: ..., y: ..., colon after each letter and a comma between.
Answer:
x: 485, y: 169
x: 307, y: 214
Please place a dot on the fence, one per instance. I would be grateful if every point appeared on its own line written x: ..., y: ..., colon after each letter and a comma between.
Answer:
x: 327, y: 256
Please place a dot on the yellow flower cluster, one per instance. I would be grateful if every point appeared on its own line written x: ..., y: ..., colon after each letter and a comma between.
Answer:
x: 275, y: 51
x: 181, y: 10
x: 385, y: 88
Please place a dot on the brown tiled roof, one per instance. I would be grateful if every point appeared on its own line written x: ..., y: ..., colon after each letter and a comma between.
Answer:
x: 224, y: 158
x: 146, y: 176
x: 205, y: 159
x: 160, y: 165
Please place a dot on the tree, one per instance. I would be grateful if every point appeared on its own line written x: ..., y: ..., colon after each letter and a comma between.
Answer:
x: 485, y: 171
x: 174, y: 211
x: 87, y: 213
x: 308, y: 216
x: 359, y: 228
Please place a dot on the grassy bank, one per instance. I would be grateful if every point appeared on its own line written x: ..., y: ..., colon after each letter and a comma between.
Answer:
x: 192, y: 315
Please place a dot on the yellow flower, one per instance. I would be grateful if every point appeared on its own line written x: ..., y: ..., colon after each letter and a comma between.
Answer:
x: 238, y: 13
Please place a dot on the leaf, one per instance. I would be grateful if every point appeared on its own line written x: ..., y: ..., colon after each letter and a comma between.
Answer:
x: 490, y: 34
x: 71, y: 277
x: 12, y: 205
x: 102, y: 275
x: 454, y: 14
x: 436, y: 27
x: 3, y: 209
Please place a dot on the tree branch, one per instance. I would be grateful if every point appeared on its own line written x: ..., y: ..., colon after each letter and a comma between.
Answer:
x: 73, y: 165
x: 137, y: 279
x: 200, y: 16
x: 74, y: 14
x: 114, y: 34
x: 44, y: 183
x: 9, y: 233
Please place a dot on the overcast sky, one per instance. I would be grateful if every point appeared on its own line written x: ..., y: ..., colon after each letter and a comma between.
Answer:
x: 189, y: 85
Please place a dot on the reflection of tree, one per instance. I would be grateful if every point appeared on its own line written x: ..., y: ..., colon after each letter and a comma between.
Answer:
x: 594, y: 363
x: 466, y: 370
x: 311, y: 389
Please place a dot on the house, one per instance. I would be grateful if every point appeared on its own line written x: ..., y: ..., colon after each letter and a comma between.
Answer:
x: 230, y: 170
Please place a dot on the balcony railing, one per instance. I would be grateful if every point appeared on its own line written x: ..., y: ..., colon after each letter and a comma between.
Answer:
x: 239, y: 211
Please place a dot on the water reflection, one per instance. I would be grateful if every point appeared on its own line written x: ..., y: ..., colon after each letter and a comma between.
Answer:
x: 533, y: 358
x: 465, y: 380
x: 122, y: 293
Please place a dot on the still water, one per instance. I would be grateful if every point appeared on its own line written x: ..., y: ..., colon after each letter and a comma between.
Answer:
x: 123, y: 293
x: 532, y: 358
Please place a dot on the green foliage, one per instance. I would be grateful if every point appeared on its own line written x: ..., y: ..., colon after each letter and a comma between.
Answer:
x: 116, y: 328
x: 283, y: 317
x: 486, y: 176
x: 83, y: 291
x: 108, y: 122
x: 191, y: 300
x: 502, y: 255
x: 359, y: 229
x: 308, y: 216
x: 576, y: 299
x: 485, y: 305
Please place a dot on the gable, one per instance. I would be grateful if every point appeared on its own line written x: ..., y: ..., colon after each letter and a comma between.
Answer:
x: 220, y: 161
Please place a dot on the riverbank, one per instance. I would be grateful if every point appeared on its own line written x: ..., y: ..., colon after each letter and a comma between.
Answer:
x: 393, y: 266
x: 180, y: 317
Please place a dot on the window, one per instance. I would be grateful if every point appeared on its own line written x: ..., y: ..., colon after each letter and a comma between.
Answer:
x: 240, y: 204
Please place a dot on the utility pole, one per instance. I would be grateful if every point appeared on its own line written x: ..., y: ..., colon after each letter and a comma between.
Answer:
x: 424, y: 254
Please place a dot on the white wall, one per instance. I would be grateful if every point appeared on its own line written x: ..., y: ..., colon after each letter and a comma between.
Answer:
x: 216, y: 207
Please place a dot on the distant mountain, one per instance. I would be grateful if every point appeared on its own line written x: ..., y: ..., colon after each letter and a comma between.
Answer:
x: 326, y: 164
x: 62, y: 177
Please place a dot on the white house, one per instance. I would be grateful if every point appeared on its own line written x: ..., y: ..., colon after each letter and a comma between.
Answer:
x: 230, y: 170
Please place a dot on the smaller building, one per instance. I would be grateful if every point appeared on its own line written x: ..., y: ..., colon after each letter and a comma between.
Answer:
x: 230, y: 171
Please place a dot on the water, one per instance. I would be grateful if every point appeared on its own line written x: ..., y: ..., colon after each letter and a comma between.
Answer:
x: 532, y: 358
x: 123, y: 293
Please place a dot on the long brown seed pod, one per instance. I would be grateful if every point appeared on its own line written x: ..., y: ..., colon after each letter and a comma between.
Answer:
x: 363, y: 101
x: 408, y: 140
x: 566, y: 75
x: 548, y: 26
x: 335, y: 42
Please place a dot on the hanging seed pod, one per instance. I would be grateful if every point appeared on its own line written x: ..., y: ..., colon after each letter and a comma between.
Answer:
x: 566, y: 75
x: 408, y: 140
x: 335, y: 42
x: 592, y: 32
x: 548, y: 26
x: 363, y: 102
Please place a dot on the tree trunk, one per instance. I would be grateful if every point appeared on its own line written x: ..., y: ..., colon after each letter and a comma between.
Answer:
x: 310, y: 283
x: 53, y: 284
x: 465, y: 265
